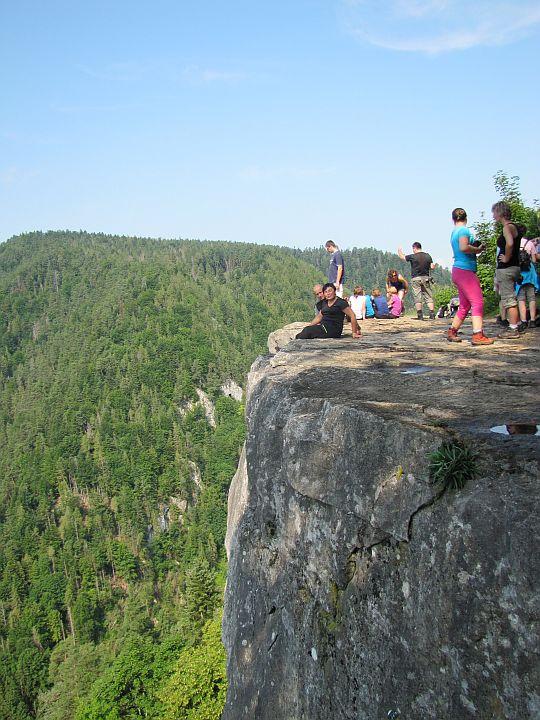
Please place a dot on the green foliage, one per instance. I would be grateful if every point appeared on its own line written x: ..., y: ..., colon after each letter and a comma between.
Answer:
x: 196, y: 690
x: 127, y: 687
x: 200, y: 592
x: 443, y: 295
x: 452, y: 465
x: 113, y: 484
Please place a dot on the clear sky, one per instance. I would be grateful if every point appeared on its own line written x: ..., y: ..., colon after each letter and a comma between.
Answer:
x: 288, y: 122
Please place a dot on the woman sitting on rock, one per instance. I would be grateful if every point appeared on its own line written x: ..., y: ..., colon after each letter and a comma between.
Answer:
x: 329, y: 322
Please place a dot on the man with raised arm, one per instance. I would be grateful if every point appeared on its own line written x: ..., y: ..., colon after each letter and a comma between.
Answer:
x: 421, y: 266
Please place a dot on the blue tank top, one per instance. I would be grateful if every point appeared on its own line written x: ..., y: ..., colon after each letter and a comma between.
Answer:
x: 369, y: 307
x: 463, y: 261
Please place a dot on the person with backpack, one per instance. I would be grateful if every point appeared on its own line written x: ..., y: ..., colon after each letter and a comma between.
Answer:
x: 465, y: 249
x: 528, y: 285
x: 508, y: 271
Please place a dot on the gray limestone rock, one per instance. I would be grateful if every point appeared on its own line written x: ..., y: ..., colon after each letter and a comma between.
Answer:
x: 280, y: 338
x: 356, y: 588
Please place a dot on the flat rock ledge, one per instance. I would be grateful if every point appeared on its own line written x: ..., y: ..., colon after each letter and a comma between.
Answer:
x: 356, y: 588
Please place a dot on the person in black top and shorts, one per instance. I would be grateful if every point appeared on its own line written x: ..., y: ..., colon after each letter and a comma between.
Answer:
x: 508, y: 271
x: 421, y: 266
x: 329, y: 321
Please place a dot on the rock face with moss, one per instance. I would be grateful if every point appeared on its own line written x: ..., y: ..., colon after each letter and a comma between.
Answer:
x: 357, y: 587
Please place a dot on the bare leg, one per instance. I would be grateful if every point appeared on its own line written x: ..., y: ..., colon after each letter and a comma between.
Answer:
x: 512, y: 314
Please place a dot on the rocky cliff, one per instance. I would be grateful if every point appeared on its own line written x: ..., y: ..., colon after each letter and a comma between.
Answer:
x: 356, y: 587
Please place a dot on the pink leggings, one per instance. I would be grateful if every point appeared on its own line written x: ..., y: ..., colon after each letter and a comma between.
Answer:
x: 470, y: 292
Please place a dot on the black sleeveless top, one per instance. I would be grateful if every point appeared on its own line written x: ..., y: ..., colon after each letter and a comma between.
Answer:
x: 501, y: 244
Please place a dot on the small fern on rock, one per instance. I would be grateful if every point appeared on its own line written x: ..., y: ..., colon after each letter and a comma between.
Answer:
x: 452, y: 465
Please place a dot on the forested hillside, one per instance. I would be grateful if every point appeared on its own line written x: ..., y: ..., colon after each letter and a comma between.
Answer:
x: 113, y: 479
x: 117, y: 447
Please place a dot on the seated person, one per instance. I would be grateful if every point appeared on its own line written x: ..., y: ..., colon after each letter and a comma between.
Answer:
x: 370, y: 312
x: 357, y: 301
x: 319, y: 297
x: 380, y: 305
x: 329, y: 321
x: 396, y: 280
x: 395, y: 304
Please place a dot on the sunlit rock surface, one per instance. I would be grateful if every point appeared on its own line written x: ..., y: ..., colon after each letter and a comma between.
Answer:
x: 355, y: 588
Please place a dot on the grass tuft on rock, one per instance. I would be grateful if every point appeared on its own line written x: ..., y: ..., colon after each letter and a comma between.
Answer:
x: 452, y: 465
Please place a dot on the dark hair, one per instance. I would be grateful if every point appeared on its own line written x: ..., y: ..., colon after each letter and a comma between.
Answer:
x: 503, y: 209
x: 328, y: 285
x: 330, y: 243
x: 417, y: 245
x: 391, y: 273
x: 459, y: 215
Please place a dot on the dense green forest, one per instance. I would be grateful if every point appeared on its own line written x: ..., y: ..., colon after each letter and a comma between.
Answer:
x: 113, y: 480
x: 113, y: 473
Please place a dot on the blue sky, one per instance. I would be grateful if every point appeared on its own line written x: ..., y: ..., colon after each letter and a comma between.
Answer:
x: 279, y: 122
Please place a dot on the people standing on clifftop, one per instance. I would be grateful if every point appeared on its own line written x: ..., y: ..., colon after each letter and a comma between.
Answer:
x: 508, y: 272
x: 465, y: 249
x: 336, y: 270
x: 421, y: 266
x: 329, y: 322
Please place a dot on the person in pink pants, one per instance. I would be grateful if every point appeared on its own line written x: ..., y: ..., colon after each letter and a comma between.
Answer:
x: 464, y: 277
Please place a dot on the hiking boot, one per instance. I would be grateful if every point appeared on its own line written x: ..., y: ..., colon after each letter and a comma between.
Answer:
x: 501, y: 322
x: 522, y: 327
x: 452, y: 335
x: 419, y: 315
x: 432, y: 314
x: 480, y: 339
x: 509, y: 334
x: 533, y: 324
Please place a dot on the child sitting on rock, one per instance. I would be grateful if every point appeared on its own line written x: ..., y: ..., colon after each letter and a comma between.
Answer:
x: 395, y: 303
x: 380, y: 305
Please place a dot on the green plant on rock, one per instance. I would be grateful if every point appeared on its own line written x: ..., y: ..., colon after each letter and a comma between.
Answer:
x: 452, y: 465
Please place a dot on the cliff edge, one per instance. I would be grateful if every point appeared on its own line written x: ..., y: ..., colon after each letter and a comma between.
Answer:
x: 356, y: 587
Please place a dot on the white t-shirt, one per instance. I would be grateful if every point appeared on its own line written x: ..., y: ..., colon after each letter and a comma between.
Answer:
x: 358, y: 306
